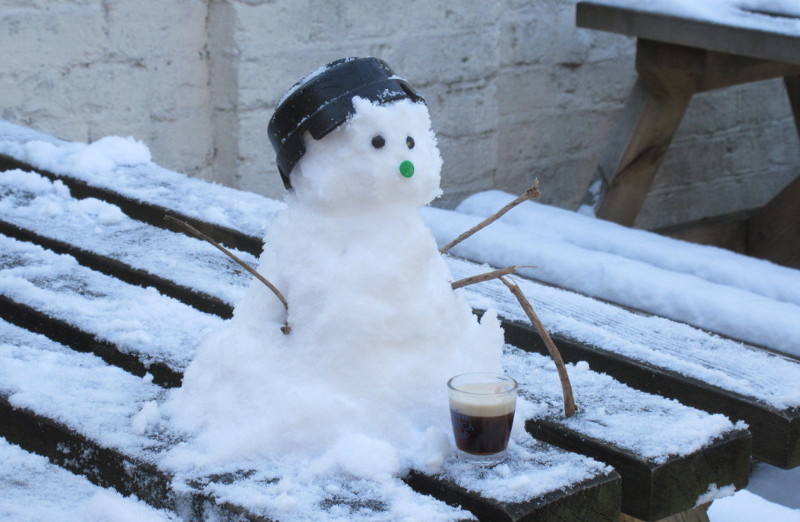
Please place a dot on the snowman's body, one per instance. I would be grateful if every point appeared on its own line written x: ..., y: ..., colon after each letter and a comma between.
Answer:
x: 376, y: 329
x: 356, y: 217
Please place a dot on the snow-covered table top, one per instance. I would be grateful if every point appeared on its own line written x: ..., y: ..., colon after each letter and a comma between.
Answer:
x: 765, y: 29
x: 33, y: 204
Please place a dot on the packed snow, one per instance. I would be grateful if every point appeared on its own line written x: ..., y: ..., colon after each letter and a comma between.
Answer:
x: 718, y: 290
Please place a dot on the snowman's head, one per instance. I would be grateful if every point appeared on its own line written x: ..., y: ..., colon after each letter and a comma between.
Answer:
x: 385, y: 154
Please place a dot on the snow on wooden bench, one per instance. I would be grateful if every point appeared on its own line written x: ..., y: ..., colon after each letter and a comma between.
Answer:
x: 35, y: 489
x: 89, y: 417
x: 715, y: 289
x: 654, y: 471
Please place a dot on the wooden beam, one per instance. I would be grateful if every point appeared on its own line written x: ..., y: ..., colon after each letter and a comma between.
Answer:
x: 792, y: 84
x: 776, y: 433
x: 653, y: 491
x: 638, y: 147
x: 701, y: 69
x: 757, y: 43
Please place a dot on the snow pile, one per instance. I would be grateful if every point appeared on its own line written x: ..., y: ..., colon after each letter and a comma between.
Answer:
x: 745, y: 298
x: 745, y: 506
x: 100, y: 156
x: 358, y: 386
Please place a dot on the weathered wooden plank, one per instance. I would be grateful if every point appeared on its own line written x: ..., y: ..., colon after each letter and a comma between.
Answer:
x: 666, y: 453
x: 147, y: 212
x: 776, y: 433
x: 185, y: 268
x: 702, y: 69
x: 126, y: 325
x: 792, y: 84
x: 113, y: 267
x: 639, y: 144
x: 643, y: 23
x: 655, y: 491
x: 600, y: 500
x: 59, y: 330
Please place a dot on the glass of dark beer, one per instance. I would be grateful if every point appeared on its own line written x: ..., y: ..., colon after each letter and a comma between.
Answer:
x: 482, y: 409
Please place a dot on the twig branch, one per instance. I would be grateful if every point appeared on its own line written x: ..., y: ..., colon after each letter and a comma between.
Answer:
x: 471, y: 280
x: 531, y: 193
x: 566, y: 387
x: 196, y: 233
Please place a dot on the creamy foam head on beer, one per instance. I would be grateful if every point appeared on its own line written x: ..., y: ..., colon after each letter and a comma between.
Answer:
x: 482, y: 400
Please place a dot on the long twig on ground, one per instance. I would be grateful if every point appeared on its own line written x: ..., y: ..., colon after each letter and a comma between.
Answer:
x: 531, y: 193
x: 471, y: 280
x: 566, y: 387
x: 196, y: 233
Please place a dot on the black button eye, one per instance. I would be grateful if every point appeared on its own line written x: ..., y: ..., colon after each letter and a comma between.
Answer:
x: 410, y: 142
x: 378, y: 141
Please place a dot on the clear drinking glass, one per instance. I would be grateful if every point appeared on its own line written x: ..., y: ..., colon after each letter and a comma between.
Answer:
x: 482, y: 409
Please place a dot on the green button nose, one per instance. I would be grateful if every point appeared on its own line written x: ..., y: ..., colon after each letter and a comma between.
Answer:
x: 407, y: 169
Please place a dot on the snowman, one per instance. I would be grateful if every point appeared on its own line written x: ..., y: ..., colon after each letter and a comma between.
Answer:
x: 374, y: 326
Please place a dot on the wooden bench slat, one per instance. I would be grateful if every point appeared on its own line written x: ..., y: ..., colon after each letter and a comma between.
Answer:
x: 776, y: 433
x: 601, y: 498
x: 142, y: 211
x: 745, y: 35
x: 185, y: 268
x: 35, y: 489
x: 660, y: 447
x: 133, y: 321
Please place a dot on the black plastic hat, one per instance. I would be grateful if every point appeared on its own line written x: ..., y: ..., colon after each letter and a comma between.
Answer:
x: 324, y: 100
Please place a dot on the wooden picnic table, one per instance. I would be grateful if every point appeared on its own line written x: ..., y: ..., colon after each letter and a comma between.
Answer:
x: 679, y: 54
x: 74, y: 292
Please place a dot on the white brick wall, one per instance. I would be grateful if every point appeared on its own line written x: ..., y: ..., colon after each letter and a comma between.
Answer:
x: 514, y: 88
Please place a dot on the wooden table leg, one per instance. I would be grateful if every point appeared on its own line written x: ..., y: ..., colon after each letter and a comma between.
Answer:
x: 635, y: 152
x: 774, y: 231
x: 792, y: 84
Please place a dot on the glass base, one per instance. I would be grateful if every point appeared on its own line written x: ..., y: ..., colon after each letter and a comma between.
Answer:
x: 491, y: 459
